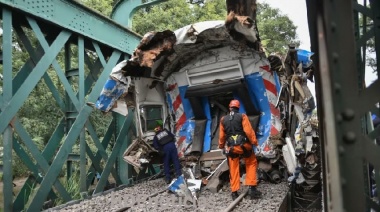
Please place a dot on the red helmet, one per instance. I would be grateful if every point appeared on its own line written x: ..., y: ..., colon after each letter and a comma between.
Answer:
x: 234, y: 103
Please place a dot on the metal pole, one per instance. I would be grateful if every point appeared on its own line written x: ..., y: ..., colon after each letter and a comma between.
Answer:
x: 7, y: 96
x: 82, y: 137
x: 237, y: 200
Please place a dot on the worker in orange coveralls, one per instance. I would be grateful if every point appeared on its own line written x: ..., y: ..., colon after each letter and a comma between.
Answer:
x: 237, y: 134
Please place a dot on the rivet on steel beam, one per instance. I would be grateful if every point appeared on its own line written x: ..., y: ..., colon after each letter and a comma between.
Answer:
x: 337, y: 87
x: 341, y: 150
x: 335, y: 57
x: 349, y: 138
x: 343, y: 181
x: 339, y: 118
x: 348, y: 114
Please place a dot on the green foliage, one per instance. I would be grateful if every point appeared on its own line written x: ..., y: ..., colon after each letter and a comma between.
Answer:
x: 102, y: 6
x: 72, y: 186
x: 170, y: 15
x: 276, y: 29
x: 370, y: 44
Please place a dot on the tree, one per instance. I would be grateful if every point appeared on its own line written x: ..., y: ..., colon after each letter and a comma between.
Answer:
x: 276, y: 30
x: 170, y: 15
x: 102, y: 6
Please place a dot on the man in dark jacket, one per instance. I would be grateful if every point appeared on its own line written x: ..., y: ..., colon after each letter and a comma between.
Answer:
x: 163, y: 141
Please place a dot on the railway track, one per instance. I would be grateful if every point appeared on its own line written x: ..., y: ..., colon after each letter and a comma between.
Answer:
x: 153, y: 196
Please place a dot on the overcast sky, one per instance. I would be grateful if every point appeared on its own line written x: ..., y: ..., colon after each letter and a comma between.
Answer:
x: 296, y: 11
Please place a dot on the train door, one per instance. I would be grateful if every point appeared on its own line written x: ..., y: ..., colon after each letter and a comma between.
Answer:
x: 210, y: 103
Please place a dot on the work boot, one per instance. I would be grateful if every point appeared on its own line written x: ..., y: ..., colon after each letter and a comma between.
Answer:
x: 234, y: 195
x: 167, y: 181
x: 253, y: 193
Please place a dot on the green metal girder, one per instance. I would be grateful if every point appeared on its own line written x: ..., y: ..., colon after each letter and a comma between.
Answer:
x: 10, y: 110
x: 47, y: 153
x: 121, y: 138
x: 60, y: 73
x: 101, y: 148
x: 30, y: 64
x: 98, y: 157
x: 41, y: 161
x: 348, y: 103
x: 71, y: 137
x: 81, y: 94
x: 6, y: 97
x: 92, y: 76
x: 31, y: 182
x: 77, y: 18
x: 59, y: 160
x: 35, y: 68
x: 123, y: 11
x: 124, y: 169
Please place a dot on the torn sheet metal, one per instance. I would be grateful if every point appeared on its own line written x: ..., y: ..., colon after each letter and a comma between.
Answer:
x: 116, y: 86
x: 179, y: 187
x: 194, y: 187
x: 140, y: 154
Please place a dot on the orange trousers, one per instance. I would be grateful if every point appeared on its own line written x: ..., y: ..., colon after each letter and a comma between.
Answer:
x: 250, y: 166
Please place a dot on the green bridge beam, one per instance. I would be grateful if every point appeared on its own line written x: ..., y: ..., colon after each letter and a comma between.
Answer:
x: 124, y: 10
x: 7, y: 96
x: 80, y: 19
x: 58, y: 25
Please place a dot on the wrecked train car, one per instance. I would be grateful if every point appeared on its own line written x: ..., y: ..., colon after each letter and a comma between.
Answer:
x: 187, y: 78
x: 190, y: 86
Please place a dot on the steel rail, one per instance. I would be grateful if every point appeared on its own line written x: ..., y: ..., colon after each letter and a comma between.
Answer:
x: 237, y: 200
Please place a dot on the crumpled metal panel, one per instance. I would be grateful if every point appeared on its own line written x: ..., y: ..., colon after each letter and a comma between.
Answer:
x: 162, y: 53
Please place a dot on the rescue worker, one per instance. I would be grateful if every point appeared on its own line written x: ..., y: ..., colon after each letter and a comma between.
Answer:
x: 163, y: 141
x: 236, y: 138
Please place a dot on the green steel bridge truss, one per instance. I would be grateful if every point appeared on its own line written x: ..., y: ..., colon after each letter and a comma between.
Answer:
x: 337, y: 35
x: 340, y: 34
x: 59, y: 25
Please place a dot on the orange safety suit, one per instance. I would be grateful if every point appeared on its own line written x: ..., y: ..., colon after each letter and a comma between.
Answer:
x: 234, y: 162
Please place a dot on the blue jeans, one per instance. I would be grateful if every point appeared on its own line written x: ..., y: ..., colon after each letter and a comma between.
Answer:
x: 171, y: 155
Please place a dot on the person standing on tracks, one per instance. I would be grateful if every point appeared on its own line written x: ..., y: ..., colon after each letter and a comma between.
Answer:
x: 236, y: 131
x: 164, y: 142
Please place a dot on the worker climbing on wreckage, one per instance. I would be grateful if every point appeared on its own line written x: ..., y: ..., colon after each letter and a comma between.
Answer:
x: 236, y: 138
x: 164, y: 142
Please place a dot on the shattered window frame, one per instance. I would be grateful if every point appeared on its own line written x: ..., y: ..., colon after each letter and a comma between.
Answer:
x: 149, y: 115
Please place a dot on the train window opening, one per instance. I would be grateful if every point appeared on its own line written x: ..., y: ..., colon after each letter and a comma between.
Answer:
x: 150, y: 117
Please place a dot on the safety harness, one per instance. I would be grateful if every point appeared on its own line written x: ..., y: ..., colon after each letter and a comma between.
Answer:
x: 236, y: 140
